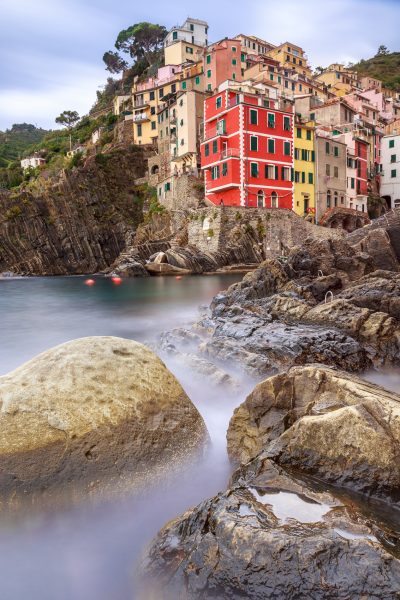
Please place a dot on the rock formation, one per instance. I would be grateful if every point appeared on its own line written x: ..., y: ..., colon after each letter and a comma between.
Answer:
x: 97, y: 411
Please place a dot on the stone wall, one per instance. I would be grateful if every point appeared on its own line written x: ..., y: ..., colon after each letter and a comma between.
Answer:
x: 274, y: 231
x: 186, y: 192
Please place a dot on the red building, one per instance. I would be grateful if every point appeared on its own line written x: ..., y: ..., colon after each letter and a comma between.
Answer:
x: 247, y: 152
x: 361, y: 150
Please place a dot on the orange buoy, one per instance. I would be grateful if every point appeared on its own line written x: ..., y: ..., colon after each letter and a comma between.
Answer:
x: 178, y: 277
x: 89, y: 282
x: 116, y: 280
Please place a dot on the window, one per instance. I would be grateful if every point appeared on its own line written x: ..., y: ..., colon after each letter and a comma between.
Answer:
x: 336, y: 150
x: 352, y: 183
x: 279, y: 79
x: 209, y: 87
x: 286, y: 148
x: 335, y: 200
x: 224, y: 169
x: 233, y: 75
x: 328, y: 199
x: 271, y: 146
x: 243, y: 57
x: 276, y: 172
x: 253, y: 117
x: 215, y: 172
x: 233, y: 48
x: 336, y: 172
x: 308, y: 135
x: 393, y: 173
x: 303, y: 177
x: 167, y: 187
x: 254, y: 169
x: 139, y: 130
x: 269, y: 171
x: 234, y: 61
x: 391, y: 143
x: 327, y: 148
x: 297, y: 176
x: 271, y: 120
x: 286, y: 123
x: 312, y: 155
x: 312, y: 116
x: 271, y: 76
x: 152, y: 95
x: 393, y: 158
x: 286, y: 175
x: 206, y: 150
x: 208, y: 59
x: 260, y: 199
x: 254, y: 143
x: 189, y: 50
x: 328, y: 170
x: 191, y: 27
x: 297, y: 154
x: 153, y: 110
x: 310, y: 178
x: 209, y: 73
x: 298, y: 132
x: 173, y: 88
x: 274, y: 200
x: 174, y: 35
x: 286, y: 83
x: 197, y: 80
x: 153, y: 125
x: 161, y: 92
x: 218, y: 102
x: 215, y: 146
x: 184, y: 85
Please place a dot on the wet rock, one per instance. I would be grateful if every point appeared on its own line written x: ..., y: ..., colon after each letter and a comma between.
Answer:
x: 326, y: 423
x: 100, y: 408
x: 379, y: 291
x: 158, y: 257
x: 270, y: 536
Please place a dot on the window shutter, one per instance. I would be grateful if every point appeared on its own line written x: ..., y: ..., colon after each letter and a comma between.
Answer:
x: 276, y: 172
x: 313, y: 155
x: 292, y: 174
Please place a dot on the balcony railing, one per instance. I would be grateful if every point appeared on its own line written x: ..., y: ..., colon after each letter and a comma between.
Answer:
x: 141, y: 117
x: 230, y: 153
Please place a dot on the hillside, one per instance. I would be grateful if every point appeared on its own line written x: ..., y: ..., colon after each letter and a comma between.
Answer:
x: 14, y: 141
x: 385, y: 67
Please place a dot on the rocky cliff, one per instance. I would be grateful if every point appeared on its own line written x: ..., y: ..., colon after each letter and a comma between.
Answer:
x: 75, y: 224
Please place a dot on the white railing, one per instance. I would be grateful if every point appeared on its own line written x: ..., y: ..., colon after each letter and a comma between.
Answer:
x: 140, y: 117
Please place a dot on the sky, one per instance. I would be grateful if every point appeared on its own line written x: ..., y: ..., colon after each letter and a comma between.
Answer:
x: 51, y: 50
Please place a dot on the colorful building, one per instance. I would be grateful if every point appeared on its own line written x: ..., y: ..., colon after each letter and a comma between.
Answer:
x: 222, y: 62
x: 193, y: 31
x: 293, y: 57
x: 330, y: 169
x: 390, y: 183
x: 247, y: 152
x: 304, y: 169
x: 339, y: 79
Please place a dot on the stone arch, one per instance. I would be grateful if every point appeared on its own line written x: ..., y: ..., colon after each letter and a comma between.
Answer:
x: 154, y: 170
x: 359, y: 223
x: 348, y: 223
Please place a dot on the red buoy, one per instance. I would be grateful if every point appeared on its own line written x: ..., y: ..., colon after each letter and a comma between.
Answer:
x: 116, y: 280
x: 89, y: 282
x: 178, y: 277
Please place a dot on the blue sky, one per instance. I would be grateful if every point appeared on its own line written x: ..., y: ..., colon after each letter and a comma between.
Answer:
x: 51, y: 50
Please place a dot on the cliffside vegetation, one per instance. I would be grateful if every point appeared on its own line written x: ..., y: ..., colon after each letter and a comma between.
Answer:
x: 384, y: 65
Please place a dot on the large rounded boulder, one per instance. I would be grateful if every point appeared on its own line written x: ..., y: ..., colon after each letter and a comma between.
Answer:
x: 94, y: 411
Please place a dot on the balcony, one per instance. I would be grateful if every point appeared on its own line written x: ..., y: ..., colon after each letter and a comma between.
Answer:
x: 141, y: 117
x: 140, y: 104
x: 229, y: 153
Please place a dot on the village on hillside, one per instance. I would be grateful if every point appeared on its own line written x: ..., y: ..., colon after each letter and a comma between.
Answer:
x: 252, y: 125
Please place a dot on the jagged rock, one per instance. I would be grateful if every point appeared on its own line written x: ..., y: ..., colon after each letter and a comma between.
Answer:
x: 192, y: 259
x: 100, y: 408
x: 325, y: 423
x: 379, y: 291
x: 377, y: 242
x: 271, y: 536
x: 159, y: 257
x: 131, y: 269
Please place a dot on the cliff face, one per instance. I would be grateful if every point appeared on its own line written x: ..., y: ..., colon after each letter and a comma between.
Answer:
x: 77, y: 224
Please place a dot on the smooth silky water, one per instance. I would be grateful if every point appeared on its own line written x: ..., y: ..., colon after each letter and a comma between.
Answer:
x: 88, y: 552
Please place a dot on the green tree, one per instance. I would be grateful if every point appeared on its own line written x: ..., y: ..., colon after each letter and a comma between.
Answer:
x: 382, y: 51
x: 140, y: 41
x: 68, y: 119
x: 319, y: 70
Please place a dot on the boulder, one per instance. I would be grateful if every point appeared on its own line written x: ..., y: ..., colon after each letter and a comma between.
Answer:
x: 130, y: 269
x: 97, y: 410
x: 271, y: 536
x: 325, y: 423
x: 379, y: 291
x: 165, y: 269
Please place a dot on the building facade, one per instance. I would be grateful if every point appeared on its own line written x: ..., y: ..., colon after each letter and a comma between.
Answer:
x: 193, y: 31
x: 331, y: 156
x: 304, y: 169
x: 222, y: 62
x: 390, y: 165
x: 247, y: 152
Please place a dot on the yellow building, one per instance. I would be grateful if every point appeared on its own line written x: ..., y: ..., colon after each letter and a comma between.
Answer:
x: 291, y: 56
x: 304, y: 169
x: 149, y: 96
x: 338, y: 79
x: 180, y: 52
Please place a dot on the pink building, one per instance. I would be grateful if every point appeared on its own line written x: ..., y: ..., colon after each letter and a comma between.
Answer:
x: 222, y: 62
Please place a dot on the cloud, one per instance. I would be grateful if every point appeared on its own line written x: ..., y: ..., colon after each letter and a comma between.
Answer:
x: 51, y: 49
